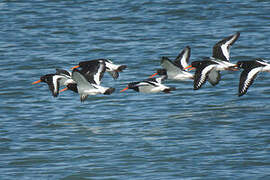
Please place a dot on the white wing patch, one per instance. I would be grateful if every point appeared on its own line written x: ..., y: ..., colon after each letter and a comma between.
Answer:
x: 250, y: 77
x: 184, y: 59
x: 204, y: 74
x: 111, y: 66
x: 263, y: 63
x: 144, y: 84
x: 55, y: 84
x: 226, y: 47
x: 97, y: 75
x: 226, y: 50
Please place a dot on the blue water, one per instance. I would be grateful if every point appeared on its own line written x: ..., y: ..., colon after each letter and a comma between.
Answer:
x: 210, y: 133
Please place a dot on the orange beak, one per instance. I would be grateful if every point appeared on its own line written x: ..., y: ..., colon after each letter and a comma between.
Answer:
x: 153, y: 75
x: 190, y: 66
x: 126, y: 88
x: 75, y: 67
x: 38, y: 81
x: 63, y: 90
x: 233, y: 68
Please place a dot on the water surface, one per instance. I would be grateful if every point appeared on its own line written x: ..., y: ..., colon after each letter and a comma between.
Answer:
x: 206, y: 134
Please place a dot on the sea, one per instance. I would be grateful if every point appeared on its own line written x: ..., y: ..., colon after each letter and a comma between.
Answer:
x: 209, y: 133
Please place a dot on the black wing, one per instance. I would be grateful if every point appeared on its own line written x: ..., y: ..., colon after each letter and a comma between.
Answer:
x: 221, y: 50
x: 182, y: 59
x: 246, y: 79
x: 93, y: 70
x: 53, y: 84
x: 62, y: 71
x: 201, y: 74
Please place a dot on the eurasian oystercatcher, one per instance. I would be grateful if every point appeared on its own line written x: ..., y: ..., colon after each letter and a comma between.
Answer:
x: 92, y: 70
x: 251, y: 69
x: 151, y: 85
x: 175, y: 69
x: 210, y: 68
x: 111, y: 68
x: 54, y: 81
x: 88, y: 82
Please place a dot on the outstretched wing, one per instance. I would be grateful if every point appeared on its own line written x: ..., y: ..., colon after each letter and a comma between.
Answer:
x: 246, y: 79
x: 201, y: 75
x: 54, y: 86
x: 93, y: 71
x: 171, y: 68
x: 183, y: 58
x: 221, y: 50
x: 82, y: 83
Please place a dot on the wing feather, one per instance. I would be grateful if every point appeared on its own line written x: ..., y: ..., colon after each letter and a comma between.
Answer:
x: 183, y: 58
x: 93, y: 70
x: 171, y: 68
x: 201, y: 75
x: 221, y: 50
x: 82, y: 83
x: 246, y: 80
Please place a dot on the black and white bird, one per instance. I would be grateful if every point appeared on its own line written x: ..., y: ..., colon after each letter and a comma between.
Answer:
x: 54, y: 81
x: 210, y: 68
x: 175, y: 70
x: 151, y: 85
x: 111, y: 68
x: 251, y: 69
x: 88, y: 82
x: 93, y: 70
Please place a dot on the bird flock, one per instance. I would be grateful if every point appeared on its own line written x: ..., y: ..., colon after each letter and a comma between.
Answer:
x: 85, y: 78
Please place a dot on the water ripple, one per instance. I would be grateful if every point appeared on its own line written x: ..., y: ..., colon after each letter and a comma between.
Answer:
x: 186, y: 134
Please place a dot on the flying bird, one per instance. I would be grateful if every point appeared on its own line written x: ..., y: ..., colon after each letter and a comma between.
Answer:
x: 88, y: 82
x: 175, y: 70
x: 54, y: 81
x: 251, y: 69
x: 210, y: 68
x: 151, y: 85
x: 111, y: 68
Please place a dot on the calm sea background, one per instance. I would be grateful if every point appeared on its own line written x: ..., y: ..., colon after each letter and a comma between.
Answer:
x: 210, y: 133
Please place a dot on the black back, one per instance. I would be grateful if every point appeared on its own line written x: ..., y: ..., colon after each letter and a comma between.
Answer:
x: 248, y: 65
x: 134, y: 86
x: 90, y: 68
